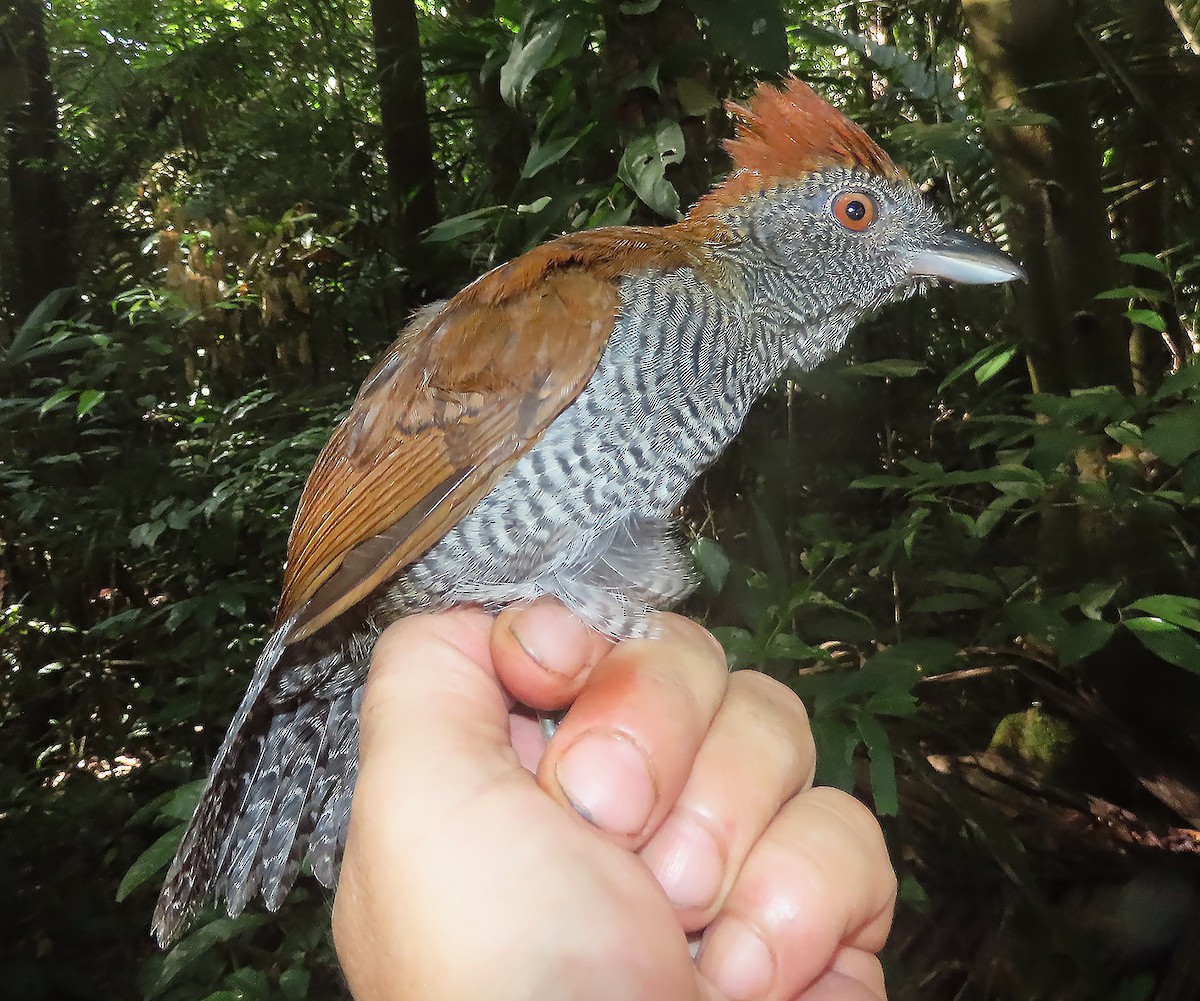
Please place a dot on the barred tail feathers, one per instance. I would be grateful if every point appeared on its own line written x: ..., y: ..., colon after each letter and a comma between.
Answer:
x: 279, y: 789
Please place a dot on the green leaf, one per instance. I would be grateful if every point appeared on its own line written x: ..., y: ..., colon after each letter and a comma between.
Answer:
x: 1147, y: 318
x: 461, y: 225
x: 147, y: 534
x: 984, y: 356
x: 1167, y: 641
x: 644, y: 164
x: 54, y: 400
x: 967, y: 581
x: 889, y: 368
x: 1143, y: 260
x: 182, y: 802
x: 543, y: 155
x: 695, y: 98
x: 948, y: 603
x: 994, y: 366
x: 1032, y: 619
x: 1082, y: 639
x: 293, y: 983
x: 882, y: 764
x: 1133, y: 292
x: 531, y: 51
x: 1174, y: 608
x: 790, y: 647
x: 912, y: 894
x: 922, y: 656
x: 1175, y: 435
x: 88, y: 400
x: 204, y: 938
x: 535, y: 206
x: 891, y: 703
x: 1183, y: 381
x: 836, y: 743
x: 151, y: 862
x: 21, y: 348
x: 712, y: 562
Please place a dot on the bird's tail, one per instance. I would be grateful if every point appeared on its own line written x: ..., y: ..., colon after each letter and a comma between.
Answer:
x: 279, y: 790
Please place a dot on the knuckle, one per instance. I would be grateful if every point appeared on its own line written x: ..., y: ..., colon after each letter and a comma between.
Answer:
x: 779, y: 711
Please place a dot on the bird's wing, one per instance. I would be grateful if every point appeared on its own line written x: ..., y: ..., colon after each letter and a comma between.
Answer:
x: 467, y: 388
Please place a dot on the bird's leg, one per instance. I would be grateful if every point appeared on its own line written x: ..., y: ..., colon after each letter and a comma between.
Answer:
x: 549, y: 722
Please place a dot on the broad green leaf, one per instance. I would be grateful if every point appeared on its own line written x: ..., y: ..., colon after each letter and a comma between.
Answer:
x: 984, y: 356
x: 147, y: 534
x: 21, y: 348
x: 1174, y: 608
x: 293, y: 983
x: 909, y: 659
x: 1167, y: 641
x: 1147, y: 318
x: 891, y: 703
x: 882, y: 764
x: 182, y: 802
x: 894, y: 368
x: 644, y: 164
x: 1133, y: 292
x: 1033, y: 619
x: 966, y: 581
x: 88, y: 400
x: 531, y: 50
x: 994, y: 366
x: 535, y: 206
x: 150, y: 863
x: 200, y: 941
x: 461, y: 225
x: 711, y: 561
x: 1143, y: 260
x: 836, y: 743
x: 54, y: 400
x: 543, y: 155
x: 1186, y: 379
x: 1175, y: 435
x: 790, y: 647
x: 948, y: 603
x: 1082, y: 639
x: 695, y: 98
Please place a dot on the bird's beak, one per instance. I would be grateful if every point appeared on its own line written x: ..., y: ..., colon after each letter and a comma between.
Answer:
x: 956, y: 257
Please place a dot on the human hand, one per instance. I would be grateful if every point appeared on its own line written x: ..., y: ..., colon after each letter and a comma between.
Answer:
x: 467, y: 877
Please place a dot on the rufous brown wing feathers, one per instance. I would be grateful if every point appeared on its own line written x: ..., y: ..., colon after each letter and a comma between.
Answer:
x: 467, y: 388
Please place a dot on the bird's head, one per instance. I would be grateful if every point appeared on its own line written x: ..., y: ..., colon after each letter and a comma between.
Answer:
x: 834, y: 228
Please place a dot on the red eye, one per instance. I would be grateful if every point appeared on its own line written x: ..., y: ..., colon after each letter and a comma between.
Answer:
x: 854, y: 209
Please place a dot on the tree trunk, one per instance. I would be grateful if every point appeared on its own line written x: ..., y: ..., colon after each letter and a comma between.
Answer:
x: 407, y: 146
x: 40, y: 256
x: 1028, y: 58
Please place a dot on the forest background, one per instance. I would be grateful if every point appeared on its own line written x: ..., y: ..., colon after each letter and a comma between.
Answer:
x: 970, y: 543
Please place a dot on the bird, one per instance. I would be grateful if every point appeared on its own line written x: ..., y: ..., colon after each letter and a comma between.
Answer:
x: 534, y: 435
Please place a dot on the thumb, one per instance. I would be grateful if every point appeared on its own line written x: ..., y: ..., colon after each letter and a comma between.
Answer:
x: 432, y: 697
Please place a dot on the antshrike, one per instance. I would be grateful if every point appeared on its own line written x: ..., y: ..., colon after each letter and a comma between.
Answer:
x: 533, y: 436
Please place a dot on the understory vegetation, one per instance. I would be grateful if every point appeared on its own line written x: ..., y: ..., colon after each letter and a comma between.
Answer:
x: 970, y: 542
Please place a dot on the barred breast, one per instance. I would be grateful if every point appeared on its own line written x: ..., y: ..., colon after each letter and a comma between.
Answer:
x: 585, y: 515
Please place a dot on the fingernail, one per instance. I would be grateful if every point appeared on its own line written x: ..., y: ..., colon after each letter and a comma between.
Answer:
x: 687, y: 862
x: 736, y: 961
x: 552, y: 638
x: 607, y: 779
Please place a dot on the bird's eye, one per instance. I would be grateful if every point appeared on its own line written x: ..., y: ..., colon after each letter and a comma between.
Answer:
x: 854, y: 209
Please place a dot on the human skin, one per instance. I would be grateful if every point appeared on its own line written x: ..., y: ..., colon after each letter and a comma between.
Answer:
x: 675, y: 800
